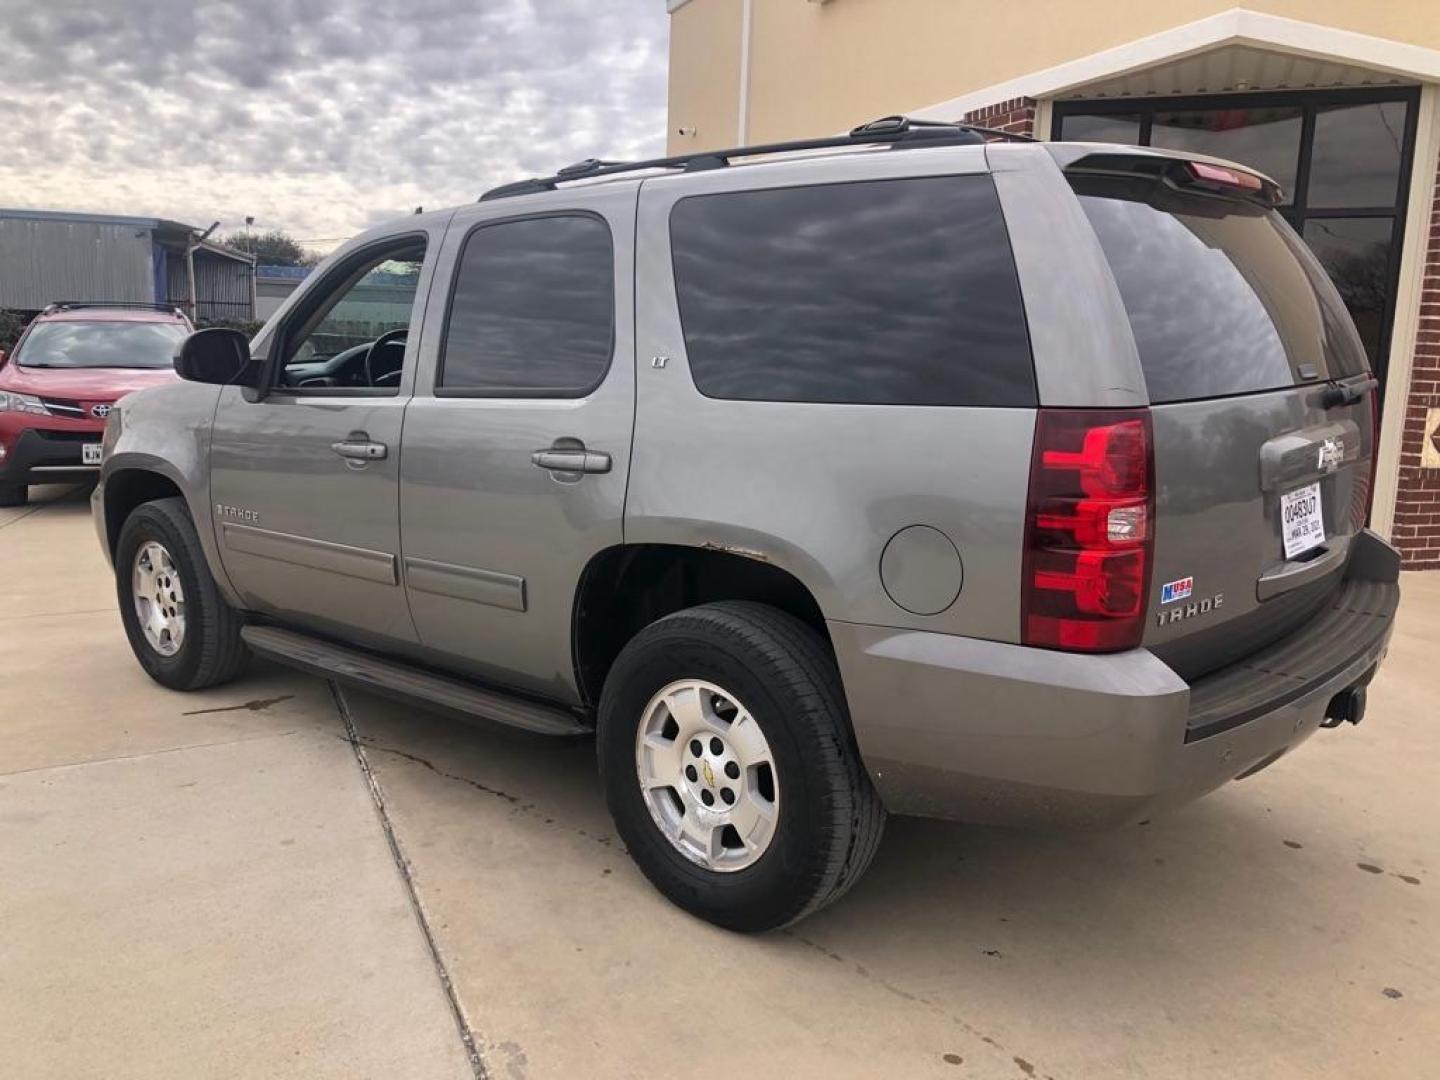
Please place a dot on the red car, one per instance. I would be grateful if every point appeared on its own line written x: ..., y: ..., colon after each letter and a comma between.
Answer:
x: 65, y: 373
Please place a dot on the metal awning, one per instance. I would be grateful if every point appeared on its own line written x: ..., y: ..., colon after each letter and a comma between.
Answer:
x: 1233, y: 69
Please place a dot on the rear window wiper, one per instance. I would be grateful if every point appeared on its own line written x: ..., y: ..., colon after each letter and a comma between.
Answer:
x: 1347, y: 393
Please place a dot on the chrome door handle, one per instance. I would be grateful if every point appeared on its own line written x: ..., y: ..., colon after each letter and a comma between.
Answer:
x: 360, y: 451
x: 572, y: 461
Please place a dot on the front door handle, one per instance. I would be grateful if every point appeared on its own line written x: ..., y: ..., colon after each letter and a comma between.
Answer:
x: 356, y: 450
x: 568, y: 460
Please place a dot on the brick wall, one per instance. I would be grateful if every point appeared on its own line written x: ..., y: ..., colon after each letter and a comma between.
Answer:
x: 1016, y: 116
x: 1417, y: 501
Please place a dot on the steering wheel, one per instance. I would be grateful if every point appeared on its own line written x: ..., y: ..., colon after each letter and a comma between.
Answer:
x: 385, y: 378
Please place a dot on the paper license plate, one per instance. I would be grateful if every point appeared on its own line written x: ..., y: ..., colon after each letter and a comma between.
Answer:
x: 90, y: 453
x: 1302, y: 522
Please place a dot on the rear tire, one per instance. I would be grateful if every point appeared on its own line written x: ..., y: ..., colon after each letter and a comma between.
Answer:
x: 180, y: 628
x: 14, y: 495
x: 744, y: 662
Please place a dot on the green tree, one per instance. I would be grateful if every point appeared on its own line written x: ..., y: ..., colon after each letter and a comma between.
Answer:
x: 11, y: 324
x: 274, y: 247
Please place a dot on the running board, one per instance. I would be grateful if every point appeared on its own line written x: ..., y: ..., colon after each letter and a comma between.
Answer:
x: 390, y: 677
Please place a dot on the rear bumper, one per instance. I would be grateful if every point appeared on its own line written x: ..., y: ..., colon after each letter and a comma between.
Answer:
x: 39, y: 455
x: 988, y: 732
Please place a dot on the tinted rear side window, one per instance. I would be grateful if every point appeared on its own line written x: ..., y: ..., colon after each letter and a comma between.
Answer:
x: 533, y: 309
x: 1222, y: 300
x: 888, y: 292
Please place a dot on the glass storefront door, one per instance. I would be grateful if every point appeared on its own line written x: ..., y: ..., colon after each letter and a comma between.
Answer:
x: 1342, y: 157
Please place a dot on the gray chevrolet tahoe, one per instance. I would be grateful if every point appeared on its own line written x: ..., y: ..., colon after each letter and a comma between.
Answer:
x: 905, y: 471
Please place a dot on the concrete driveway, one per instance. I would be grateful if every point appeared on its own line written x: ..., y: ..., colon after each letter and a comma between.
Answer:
x: 280, y: 879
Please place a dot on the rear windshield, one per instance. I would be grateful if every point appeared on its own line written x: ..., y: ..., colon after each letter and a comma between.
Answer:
x: 1223, y: 297
x: 101, y: 344
x: 879, y: 292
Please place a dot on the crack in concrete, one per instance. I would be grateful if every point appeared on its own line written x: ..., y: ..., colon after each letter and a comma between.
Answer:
x: 148, y: 753
x: 521, y: 807
x: 918, y: 999
x: 513, y: 800
x: 63, y: 614
x: 33, y: 510
x: 377, y: 797
x: 21, y: 517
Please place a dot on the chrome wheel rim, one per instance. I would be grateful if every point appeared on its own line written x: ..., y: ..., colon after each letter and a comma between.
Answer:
x: 707, y: 775
x: 158, y: 597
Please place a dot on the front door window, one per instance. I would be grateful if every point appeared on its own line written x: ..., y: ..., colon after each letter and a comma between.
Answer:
x: 350, y: 334
x: 1341, y: 156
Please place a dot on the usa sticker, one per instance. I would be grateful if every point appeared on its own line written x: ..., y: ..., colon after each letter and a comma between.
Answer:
x: 1176, y: 590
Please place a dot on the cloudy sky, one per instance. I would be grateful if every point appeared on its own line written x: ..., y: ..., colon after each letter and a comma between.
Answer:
x: 318, y: 117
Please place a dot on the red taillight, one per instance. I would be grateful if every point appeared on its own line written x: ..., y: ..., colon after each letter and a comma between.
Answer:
x: 1089, y: 530
x: 1218, y: 174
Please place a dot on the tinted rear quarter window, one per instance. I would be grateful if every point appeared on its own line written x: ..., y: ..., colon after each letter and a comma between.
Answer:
x: 1222, y: 300
x: 532, y: 312
x: 891, y: 292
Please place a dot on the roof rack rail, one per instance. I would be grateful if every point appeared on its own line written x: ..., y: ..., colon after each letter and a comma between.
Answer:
x: 892, y: 130
x: 138, y: 305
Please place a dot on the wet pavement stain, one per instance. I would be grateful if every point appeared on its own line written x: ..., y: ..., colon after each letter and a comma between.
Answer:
x: 1370, y: 868
x: 1391, y: 992
x: 916, y: 999
x: 258, y: 705
x: 521, y: 807
x: 1407, y: 878
x: 1293, y: 844
x: 952, y: 1059
x: 513, y: 800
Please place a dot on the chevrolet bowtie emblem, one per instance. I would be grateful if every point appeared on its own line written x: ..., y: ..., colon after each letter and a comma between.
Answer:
x: 709, y: 774
x: 1332, y: 454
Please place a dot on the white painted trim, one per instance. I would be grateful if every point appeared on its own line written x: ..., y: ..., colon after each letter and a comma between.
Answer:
x: 1043, y: 113
x: 742, y: 111
x: 1236, y: 26
x: 1413, y: 254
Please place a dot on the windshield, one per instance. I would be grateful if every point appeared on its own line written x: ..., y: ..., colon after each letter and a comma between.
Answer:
x: 100, y: 344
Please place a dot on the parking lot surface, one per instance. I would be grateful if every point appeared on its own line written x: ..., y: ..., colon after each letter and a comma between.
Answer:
x: 281, y: 878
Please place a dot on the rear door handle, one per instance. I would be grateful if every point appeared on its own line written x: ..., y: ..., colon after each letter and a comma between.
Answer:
x: 360, y: 451
x: 571, y: 461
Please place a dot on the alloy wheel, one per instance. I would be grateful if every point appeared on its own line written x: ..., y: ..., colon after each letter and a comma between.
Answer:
x: 707, y: 775
x: 159, y: 598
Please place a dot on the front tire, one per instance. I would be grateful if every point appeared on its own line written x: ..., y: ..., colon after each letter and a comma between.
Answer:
x: 14, y: 495
x: 180, y: 628
x: 742, y: 703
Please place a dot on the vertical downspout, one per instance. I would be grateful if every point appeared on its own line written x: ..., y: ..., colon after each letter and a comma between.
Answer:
x: 254, y: 265
x: 743, y: 132
x: 190, y: 275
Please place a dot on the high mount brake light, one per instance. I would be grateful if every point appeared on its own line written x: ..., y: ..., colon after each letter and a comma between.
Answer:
x: 1219, y: 174
x: 1089, y: 532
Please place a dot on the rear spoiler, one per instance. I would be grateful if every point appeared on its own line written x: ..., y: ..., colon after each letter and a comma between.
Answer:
x: 1186, y: 176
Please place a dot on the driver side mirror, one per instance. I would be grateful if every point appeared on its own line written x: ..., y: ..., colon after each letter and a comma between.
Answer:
x: 218, y: 355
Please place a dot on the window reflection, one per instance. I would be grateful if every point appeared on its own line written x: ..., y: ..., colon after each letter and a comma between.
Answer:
x: 1355, y: 160
x: 1116, y: 129
x: 899, y: 292
x: 534, y: 309
x: 1267, y: 139
x: 1356, y: 254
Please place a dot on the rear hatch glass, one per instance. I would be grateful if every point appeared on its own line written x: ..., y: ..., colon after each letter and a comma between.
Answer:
x: 1262, y: 470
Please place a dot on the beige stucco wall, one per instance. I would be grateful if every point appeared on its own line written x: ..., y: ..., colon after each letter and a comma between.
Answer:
x: 820, y: 68
x: 704, y: 74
